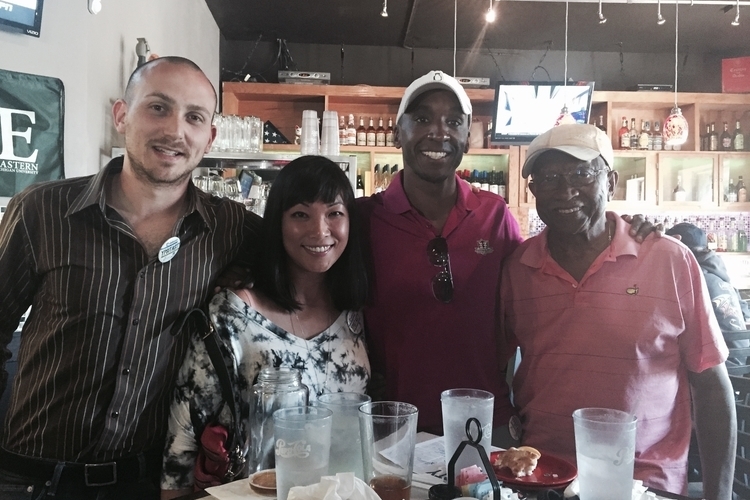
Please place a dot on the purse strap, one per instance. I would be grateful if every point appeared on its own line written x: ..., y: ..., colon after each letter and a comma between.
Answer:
x: 211, y: 340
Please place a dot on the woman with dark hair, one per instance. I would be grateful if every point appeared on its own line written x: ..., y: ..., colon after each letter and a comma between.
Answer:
x: 301, y: 312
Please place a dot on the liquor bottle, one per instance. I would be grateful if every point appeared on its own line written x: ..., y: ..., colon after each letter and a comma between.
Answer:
x: 501, y: 187
x: 380, y: 134
x: 721, y: 236
x: 370, y: 138
x: 711, y: 236
x: 484, y: 181
x: 624, y: 134
x: 713, y: 139
x: 741, y: 236
x: 394, y: 170
x: 738, y: 141
x: 657, y: 138
x: 342, y: 131
x: 705, y: 138
x: 725, y: 140
x: 389, y: 133
x: 732, y: 243
x: 377, y: 180
x: 360, y: 192
x: 643, y: 137
x: 600, y: 124
x: 633, y: 135
x: 361, y: 133
x: 731, y: 195
x: 679, y: 192
x: 494, y: 187
x: 476, y: 180
x: 351, y: 132
x: 741, y: 191
x: 385, y: 178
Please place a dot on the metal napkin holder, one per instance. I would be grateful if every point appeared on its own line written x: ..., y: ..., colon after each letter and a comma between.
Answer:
x: 474, y: 443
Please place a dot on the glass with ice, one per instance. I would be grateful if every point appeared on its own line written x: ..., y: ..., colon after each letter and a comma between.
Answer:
x: 346, y: 445
x: 605, y: 452
x: 302, y: 438
x: 459, y: 405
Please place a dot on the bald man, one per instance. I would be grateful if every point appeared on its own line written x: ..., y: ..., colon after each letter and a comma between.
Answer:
x: 110, y: 264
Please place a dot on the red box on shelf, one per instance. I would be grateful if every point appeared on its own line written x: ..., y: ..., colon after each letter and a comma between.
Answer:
x: 735, y: 75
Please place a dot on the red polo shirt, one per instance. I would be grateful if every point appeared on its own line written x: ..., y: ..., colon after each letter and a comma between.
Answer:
x: 421, y: 345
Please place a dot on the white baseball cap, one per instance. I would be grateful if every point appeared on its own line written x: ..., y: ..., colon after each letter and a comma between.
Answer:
x: 581, y: 141
x: 430, y: 81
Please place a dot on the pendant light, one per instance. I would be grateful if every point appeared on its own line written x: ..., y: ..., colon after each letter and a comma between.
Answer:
x: 659, y: 18
x: 384, y: 12
x: 565, y: 118
x: 490, y: 15
x: 602, y: 19
x: 675, y: 129
x: 736, y: 21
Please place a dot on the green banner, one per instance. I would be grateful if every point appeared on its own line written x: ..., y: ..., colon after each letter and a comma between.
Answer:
x: 31, y: 130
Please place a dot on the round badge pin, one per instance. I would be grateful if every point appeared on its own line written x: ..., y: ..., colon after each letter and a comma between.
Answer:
x: 169, y: 249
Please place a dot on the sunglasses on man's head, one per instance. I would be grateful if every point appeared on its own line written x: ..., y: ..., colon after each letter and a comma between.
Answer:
x: 442, y: 282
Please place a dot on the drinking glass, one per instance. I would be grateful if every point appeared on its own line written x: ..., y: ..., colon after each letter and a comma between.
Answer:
x: 389, y: 431
x: 605, y: 452
x: 302, y: 438
x: 346, y: 445
x: 459, y: 405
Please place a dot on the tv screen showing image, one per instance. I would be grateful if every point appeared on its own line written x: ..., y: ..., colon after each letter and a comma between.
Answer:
x: 523, y: 110
x: 25, y: 15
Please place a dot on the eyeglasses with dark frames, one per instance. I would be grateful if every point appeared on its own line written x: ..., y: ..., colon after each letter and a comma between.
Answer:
x: 580, y: 177
x: 442, y: 282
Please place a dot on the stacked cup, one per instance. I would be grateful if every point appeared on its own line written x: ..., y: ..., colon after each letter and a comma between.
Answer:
x: 329, y: 145
x: 309, y: 141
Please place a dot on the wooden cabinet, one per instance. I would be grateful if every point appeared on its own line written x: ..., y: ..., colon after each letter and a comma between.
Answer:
x: 647, y: 178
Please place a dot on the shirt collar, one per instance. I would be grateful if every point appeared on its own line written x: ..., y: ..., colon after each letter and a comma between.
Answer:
x: 537, y: 253
x: 95, y: 193
x: 395, y: 200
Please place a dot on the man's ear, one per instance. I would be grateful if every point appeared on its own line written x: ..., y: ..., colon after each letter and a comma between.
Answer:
x: 397, y: 136
x: 119, y: 112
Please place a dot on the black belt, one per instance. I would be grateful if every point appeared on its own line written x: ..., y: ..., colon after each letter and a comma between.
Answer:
x: 123, y: 470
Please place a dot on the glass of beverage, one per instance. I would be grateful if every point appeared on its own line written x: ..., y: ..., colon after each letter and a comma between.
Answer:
x: 605, y: 452
x: 389, y: 433
x: 459, y: 405
x: 346, y: 445
x: 302, y: 438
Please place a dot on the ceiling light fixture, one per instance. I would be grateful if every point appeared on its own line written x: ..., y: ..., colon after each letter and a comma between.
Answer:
x: 736, y: 21
x: 675, y: 128
x: 659, y: 18
x: 490, y: 16
x: 565, y: 118
x: 602, y: 19
x: 384, y: 12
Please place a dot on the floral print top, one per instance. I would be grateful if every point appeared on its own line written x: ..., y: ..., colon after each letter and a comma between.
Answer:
x: 335, y: 360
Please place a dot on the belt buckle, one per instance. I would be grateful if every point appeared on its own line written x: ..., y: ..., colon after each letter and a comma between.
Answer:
x: 91, y: 474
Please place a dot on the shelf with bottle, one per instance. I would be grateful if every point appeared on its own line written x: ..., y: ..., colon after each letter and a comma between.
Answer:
x: 734, y: 172
x: 636, y: 183
x: 687, y: 179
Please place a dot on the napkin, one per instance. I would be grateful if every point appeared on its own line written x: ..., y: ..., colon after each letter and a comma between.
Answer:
x: 342, y: 486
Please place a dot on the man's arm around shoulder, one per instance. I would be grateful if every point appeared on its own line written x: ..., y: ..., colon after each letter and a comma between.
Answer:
x: 716, y: 427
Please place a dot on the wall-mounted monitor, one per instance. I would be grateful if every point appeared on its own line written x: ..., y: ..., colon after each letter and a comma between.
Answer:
x: 523, y: 110
x: 24, y: 15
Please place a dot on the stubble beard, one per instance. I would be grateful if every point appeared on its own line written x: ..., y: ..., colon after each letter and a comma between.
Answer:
x: 144, y: 175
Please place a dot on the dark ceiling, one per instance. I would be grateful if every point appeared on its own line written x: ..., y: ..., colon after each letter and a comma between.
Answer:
x: 524, y: 25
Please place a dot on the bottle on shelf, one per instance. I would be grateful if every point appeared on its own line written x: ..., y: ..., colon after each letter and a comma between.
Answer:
x: 385, y: 177
x: 721, y: 236
x: 633, y: 135
x: 494, y: 187
x: 738, y: 140
x: 679, y: 192
x: 741, y: 236
x: 394, y: 170
x: 389, y: 133
x: 657, y: 138
x: 731, y: 195
x: 377, y: 180
x: 624, y: 134
x: 645, y: 136
x: 711, y: 236
x: 351, y: 132
x: 380, y: 134
x: 725, y: 140
x: 501, y: 187
x: 476, y: 180
x: 713, y: 138
x: 361, y: 133
x: 600, y: 124
x: 343, y: 141
x: 360, y: 191
x: 370, y: 138
x: 484, y: 181
x: 741, y: 191
x: 732, y: 243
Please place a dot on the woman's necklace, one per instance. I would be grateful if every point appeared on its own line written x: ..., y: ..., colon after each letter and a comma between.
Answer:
x: 324, y: 355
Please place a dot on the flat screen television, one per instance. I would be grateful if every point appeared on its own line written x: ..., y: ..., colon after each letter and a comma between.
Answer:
x: 523, y: 110
x: 25, y: 15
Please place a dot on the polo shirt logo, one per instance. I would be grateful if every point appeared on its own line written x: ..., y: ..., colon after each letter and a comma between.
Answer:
x: 483, y: 247
x: 633, y: 290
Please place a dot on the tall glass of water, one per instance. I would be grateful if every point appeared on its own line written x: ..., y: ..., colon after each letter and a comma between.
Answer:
x: 346, y: 445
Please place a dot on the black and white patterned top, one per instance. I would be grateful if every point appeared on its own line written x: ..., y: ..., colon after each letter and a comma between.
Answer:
x: 335, y: 360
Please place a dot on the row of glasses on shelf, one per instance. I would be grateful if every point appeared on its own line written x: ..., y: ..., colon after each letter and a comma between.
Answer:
x: 249, y: 189
x: 238, y: 134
